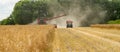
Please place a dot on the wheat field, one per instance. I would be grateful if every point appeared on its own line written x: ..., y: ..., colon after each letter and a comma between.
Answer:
x: 46, y: 38
x: 26, y: 38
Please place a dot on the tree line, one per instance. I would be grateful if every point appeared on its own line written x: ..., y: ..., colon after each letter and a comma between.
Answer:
x: 27, y: 11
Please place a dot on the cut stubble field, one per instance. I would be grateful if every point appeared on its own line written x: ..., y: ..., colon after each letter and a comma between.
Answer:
x: 84, y: 39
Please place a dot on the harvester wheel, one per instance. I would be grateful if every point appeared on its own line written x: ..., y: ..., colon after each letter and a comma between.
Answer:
x: 69, y: 26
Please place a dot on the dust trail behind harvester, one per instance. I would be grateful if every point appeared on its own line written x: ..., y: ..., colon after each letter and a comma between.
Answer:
x: 34, y: 22
x: 81, y: 12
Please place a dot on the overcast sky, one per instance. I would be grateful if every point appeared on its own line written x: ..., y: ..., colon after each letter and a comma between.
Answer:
x: 6, y: 8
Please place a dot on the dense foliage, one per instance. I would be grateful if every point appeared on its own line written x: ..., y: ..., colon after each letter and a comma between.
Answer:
x: 114, y: 21
x: 113, y: 12
x: 8, y: 21
x: 27, y: 11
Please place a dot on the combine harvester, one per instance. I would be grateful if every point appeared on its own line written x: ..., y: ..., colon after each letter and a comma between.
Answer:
x: 42, y: 21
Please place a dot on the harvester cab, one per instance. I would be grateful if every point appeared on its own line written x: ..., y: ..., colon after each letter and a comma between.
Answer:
x: 41, y: 21
x: 69, y: 24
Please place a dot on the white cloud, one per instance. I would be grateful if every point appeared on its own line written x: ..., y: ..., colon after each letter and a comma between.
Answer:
x: 6, y: 8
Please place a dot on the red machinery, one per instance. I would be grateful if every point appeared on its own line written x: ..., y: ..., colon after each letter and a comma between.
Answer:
x: 43, y: 21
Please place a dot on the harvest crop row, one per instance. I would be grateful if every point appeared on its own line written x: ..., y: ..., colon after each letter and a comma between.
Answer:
x: 112, y: 34
x: 76, y: 40
x: 26, y: 38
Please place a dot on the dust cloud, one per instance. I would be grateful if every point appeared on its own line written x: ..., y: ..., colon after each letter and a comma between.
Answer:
x: 34, y: 22
x: 81, y: 12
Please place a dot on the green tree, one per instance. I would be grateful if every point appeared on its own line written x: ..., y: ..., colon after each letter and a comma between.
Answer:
x: 27, y: 11
x: 8, y: 21
x: 114, y: 21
